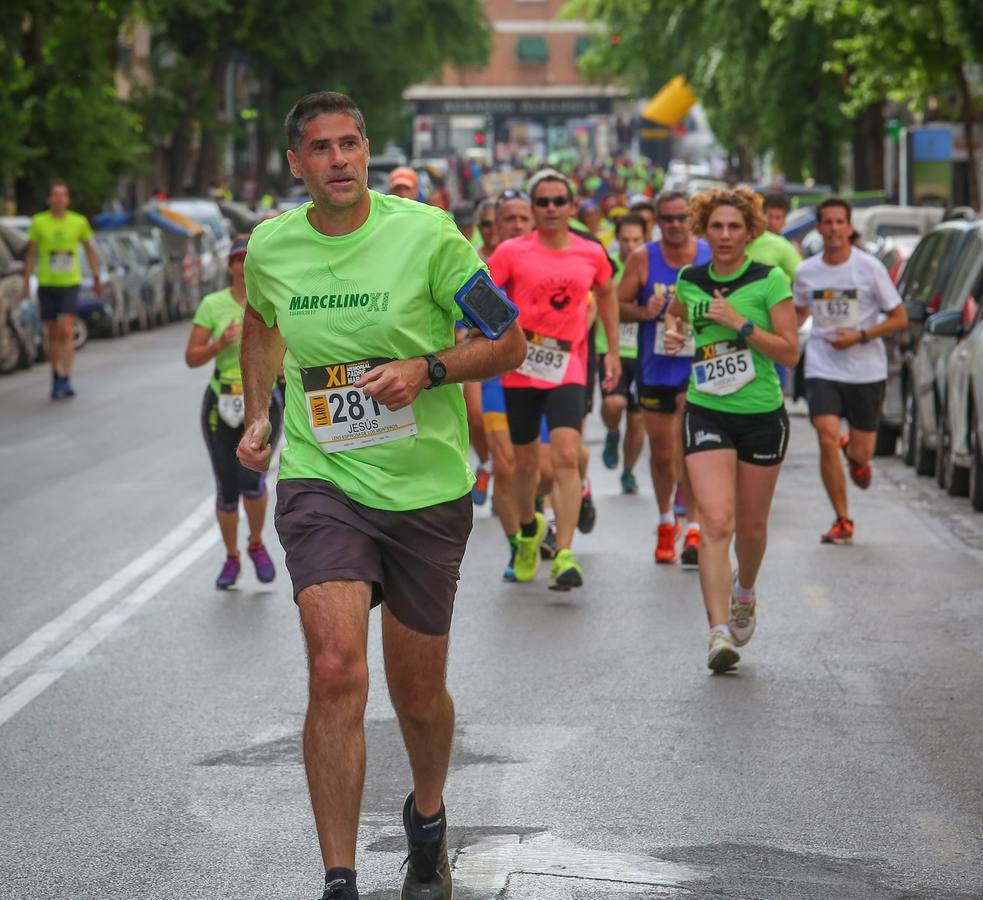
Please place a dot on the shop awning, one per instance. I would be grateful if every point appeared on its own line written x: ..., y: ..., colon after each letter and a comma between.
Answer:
x: 670, y: 105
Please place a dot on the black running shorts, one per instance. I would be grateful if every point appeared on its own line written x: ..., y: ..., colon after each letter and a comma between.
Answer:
x: 859, y: 404
x: 759, y: 438
x: 563, y: 407
x: 627, y: 386
x: 661, y: 398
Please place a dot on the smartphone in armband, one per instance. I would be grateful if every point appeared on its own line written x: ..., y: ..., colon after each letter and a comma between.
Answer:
x: 485, y: 307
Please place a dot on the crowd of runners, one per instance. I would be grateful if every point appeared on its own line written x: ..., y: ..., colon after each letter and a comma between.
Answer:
x: 362, y: 326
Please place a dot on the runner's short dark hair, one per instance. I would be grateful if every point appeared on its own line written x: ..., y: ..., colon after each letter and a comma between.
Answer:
x: 319, y: 104
x: 776, y: 200
x: 669, y: 196
x: 629, y: 219
x: 57, y: 182
x: 830, y: 203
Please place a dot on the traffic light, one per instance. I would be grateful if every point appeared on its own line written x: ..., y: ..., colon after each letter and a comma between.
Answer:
x: 479, y: 138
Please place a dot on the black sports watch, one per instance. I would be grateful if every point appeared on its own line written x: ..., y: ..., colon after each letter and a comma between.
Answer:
x: 746, y: 329
x: 864, y: 337
x: 436, y: 371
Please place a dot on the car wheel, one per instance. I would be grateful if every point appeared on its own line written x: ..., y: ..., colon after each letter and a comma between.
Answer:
x: 143, y: 317
x: 887, y: 441
x: 80, y: 333
x: 908, y: 426
x: 943, y: 449
x: 10, y: 348
x: 975, y: 486
x: 923, y: 456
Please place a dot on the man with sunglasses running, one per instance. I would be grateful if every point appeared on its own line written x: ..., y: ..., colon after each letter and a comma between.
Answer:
x: 645, y: 292
x: 549, y: 274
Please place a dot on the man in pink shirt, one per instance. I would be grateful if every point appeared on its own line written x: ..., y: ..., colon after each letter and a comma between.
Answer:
x: 550, y: 275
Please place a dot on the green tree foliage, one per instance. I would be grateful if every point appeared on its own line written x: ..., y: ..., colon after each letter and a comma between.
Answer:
x: 762, y: 92
x: 371, y: 50
x: 60, y: 116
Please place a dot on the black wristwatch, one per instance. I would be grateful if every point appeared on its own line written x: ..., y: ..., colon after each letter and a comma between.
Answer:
x: 746, y: 329
x: 864, y: 337
x: 436, y: 370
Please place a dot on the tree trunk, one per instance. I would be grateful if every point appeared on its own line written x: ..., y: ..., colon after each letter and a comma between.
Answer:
x: 213, y: 129
x: 825, y: 162
x: 868, y: 149
x: 966, y: 104
x: 264, y: 137
x: 179, y: 157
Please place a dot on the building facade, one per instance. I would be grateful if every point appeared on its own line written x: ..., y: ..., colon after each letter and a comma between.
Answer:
x: 531, y: 97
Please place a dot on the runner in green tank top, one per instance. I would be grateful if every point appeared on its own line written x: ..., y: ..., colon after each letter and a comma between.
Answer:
x: 735, y: 429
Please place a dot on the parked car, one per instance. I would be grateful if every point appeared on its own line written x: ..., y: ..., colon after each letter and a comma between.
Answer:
x: 126, y: 281
x: 152, y: 276
x: 876, y: 223
x: 22, y: 314
x: 206, y: 213
x: 939, y: 277
x: 13, y: 352
x: 107, y: 313
x: 177, y: 235
x: 956, y: 438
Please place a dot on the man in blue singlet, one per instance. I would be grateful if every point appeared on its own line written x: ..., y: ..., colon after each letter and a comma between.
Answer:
x: 644, y: 294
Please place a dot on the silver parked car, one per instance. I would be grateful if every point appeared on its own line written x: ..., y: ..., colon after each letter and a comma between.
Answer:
x: 958, y: 447
x: 151, y: 269
x: 934, y: 279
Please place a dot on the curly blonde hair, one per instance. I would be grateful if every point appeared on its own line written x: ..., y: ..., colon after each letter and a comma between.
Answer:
x: 742, y: 198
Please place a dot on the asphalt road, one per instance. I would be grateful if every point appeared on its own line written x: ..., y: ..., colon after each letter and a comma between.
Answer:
x: 149, y: 725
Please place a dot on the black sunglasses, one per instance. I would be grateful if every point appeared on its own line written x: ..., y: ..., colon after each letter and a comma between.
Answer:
x: 485, y: 223
x: 543, y: 202
x: 681, y: 217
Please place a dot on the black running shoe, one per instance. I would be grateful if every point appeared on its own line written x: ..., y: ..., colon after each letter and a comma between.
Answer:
x: 588, y: 513
x: 547, y: 549
x: 428, y: 872
x: 339, y: 889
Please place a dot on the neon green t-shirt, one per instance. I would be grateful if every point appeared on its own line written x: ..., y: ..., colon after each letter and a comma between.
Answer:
x: 57, y: 240
x: 384, y: 291
x: 216, y: 312
x: 774, y: 250
x: 752, y: 290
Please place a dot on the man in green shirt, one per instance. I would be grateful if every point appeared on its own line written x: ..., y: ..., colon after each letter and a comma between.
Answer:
x: 53, y: 240
x: 373, y: 504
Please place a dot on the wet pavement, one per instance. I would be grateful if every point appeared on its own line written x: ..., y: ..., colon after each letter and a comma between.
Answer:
x: 149, y: 725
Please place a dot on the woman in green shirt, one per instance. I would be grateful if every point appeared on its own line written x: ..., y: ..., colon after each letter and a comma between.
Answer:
x: 735, y: 428
x: 215, y: 333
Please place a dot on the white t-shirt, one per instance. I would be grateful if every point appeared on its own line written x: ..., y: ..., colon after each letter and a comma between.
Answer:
x: 851, y: 295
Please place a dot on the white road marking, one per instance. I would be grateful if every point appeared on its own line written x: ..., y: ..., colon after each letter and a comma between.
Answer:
x: 485, y: 867
x: 33, y: 686
x: 50, y: 634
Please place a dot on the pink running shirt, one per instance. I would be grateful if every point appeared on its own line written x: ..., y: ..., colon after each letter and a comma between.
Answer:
x: 551, y: 288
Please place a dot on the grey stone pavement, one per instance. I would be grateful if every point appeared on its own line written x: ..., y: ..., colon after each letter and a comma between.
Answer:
x: 149, y: 725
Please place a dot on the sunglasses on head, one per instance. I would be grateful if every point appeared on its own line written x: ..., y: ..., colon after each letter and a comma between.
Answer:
x: 543, y: 202
x: 680, y: 217
x: 511, y: 194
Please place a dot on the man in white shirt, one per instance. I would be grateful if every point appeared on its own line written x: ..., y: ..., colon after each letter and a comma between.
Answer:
x: 854, y: 305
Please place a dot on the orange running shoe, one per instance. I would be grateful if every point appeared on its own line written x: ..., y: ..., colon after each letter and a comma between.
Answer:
x: 665, y: 550
x: 860, y: 475
x: 690, y: 556
x: 479, y: 490
x: 840, y: 533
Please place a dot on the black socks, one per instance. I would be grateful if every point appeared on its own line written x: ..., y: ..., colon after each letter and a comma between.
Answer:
x: 340, y: 873
x: 528, y: 528
x: 427, y: 828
